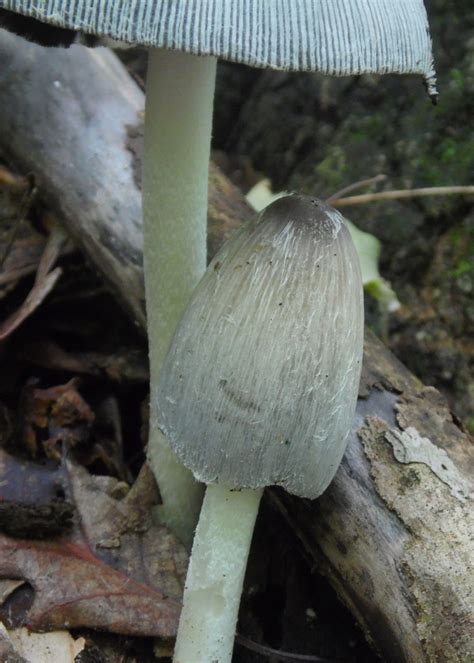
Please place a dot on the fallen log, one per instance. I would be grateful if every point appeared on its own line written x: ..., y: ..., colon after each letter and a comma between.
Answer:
x: 73, y: 118
x: 392, y: 533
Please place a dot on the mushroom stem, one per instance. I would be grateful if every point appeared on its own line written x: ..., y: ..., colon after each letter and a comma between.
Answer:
x: 215, y: 575
x: 179, y: 104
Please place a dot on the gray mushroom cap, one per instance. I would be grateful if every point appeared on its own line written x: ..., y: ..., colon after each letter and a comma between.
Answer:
x: 260, y: 384
x: 338, y: 37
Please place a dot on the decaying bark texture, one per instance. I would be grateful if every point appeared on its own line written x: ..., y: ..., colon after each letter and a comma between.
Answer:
x: 392, y: 531
x: 46, y: 112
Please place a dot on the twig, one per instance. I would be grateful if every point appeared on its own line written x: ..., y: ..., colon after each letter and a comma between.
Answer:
x: 12, y: 181
x: 282, y: 655
x: 356, y: 185
x: 402, y: 194
x: 45, y: 281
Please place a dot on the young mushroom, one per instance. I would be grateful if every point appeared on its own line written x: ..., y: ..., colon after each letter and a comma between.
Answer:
x: 336, y: 37
x: 259, y: 388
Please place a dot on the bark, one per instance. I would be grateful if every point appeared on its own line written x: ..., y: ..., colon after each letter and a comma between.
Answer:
x: 73, y: 117
x: 392, y: 531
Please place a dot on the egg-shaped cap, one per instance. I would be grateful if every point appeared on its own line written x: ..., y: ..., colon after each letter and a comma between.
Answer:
x: 260, y: 384
x: 338, y: 37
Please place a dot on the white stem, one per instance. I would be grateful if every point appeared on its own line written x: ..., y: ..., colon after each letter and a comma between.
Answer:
x: 179, y: 101
x: 215, y: 575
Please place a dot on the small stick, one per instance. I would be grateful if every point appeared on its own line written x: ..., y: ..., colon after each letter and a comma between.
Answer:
x: 402, y: 194
x: 12, y: 181
x: 45, y: 280
x: 356, y: 185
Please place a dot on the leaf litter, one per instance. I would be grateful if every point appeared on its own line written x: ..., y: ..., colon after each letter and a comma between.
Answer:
x: 116, y: 570
x: 23, y: 646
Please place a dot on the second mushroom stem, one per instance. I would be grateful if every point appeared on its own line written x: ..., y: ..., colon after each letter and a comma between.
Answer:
x: 216, y: 574
x: 179, y: 105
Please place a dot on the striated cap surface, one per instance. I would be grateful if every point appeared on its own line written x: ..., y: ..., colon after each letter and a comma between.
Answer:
x: 338, y: 37
x: 260, y: 384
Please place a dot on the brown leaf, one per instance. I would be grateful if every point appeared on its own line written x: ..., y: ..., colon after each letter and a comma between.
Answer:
x: 75, y: 589
x: 7, y: 650
x: 59, y: 414
x: 40, y: 647
x: 54, y: 415
x: 117, y: 571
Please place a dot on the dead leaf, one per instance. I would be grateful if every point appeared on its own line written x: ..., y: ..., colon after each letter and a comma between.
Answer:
x: 54, y: 416
x: 117, y: 571
x: 57, y: 646
x: 7, y: 651
x: 75, y: 589
x: 50, y: 418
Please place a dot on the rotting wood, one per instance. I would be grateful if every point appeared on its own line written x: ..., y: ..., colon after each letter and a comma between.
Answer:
x: 392, y: 531
x: 73, y: 118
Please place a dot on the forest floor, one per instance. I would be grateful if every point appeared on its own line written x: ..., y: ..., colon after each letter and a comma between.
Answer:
x: 74, y: 379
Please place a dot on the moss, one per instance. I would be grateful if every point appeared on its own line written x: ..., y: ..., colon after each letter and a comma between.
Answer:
x: 455, y: 236
x: 442, y: 161
x: 461, y: 241
x: 332, y: 170
x: 469, y: 423
x: 463, y: 267
x: 374, y: 125
x: 458, y: 78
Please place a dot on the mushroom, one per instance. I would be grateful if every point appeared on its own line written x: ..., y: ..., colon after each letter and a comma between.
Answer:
x: 259, y: 388
x: 337, y: 37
